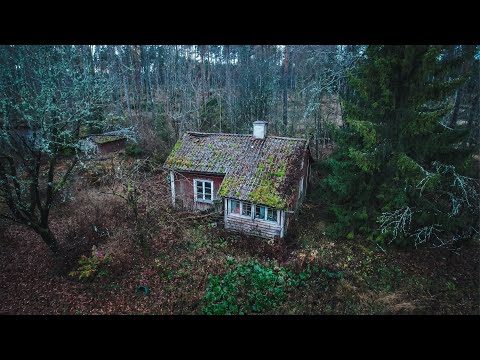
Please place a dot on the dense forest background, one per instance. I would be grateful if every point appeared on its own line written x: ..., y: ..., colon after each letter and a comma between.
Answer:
x: 165, y: 90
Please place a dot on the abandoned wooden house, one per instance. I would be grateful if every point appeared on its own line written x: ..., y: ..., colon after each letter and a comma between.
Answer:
x: 258, y: 181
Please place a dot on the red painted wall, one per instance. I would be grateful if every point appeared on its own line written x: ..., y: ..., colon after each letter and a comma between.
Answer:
x: 111, y: 146
x: 184, y: 190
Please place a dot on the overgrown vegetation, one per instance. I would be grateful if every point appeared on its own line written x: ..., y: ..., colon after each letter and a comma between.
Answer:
x: 45, y: 100
x: 252, y: 288
x: 194, y: 267
x: 270, y: 173
x: 399, y: 173
x: 91, y: 266
x: 248, y: 288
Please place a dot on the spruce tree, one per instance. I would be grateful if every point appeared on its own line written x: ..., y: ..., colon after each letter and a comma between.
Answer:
x: 399, y: 173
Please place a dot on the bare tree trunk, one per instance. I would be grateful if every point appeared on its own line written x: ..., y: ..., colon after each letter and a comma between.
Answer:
x: 125, y: 86
x: 136, y: 63
x: 468, y: 52
x: 208, y: 73
x: 458, y: 99
x: 49, y: 239
x: 202, y: 69
x: 115, y: 75
x: 91, y: 66
x: 473, y: 118
x: 228, y: 84
x: 285, y: 95
x: 317, y: 130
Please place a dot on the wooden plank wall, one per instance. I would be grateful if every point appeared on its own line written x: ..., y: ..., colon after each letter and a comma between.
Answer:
x: 252, y: 227
x: 111, y: 146
x: 295, y: 202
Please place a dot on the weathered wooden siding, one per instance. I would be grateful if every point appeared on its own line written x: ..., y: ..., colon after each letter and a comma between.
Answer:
x: 295, y: 202
x: 258, y: 228
x: 111, y: 146
x: 184, y: 193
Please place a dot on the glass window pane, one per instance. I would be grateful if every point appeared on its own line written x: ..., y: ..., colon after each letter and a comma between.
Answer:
x: 234, y: 207
x: 208, y: 188
x: 259, y: 212
x: 246, y: 209
x: 272, y: 215
x: 208, y: 196
x: 199, y: 189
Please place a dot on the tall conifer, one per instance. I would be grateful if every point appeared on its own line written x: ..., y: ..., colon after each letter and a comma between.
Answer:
x: 399, y: 173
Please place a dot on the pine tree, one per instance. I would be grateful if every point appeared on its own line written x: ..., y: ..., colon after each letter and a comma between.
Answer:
x: 399, y: 171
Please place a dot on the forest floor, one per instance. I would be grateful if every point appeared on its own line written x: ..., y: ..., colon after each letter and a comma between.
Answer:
x: 336, y: 276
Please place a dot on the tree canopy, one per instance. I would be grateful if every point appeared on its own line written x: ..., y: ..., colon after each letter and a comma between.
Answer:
x: 47, y: 99
x: 400, y: 173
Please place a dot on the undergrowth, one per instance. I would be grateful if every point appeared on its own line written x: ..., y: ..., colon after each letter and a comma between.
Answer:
x: 251, y: 287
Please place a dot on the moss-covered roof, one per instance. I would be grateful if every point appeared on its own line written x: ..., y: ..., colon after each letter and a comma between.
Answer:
x: 260, y: 171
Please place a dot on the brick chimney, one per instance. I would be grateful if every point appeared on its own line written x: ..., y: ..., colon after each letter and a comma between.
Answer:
x: 260, y: 129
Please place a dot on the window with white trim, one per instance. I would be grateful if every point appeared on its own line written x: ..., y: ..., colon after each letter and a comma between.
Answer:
x: 240, y: 208
x: 235, y: 207
x: 248, y: 210
x: 271, y: 214
x: 203, y: 190
x: 265, y: 213
x: 260, y: 212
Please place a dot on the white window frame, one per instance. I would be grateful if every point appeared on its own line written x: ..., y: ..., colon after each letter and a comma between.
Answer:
x: 266, y: 214
x: 203, y: 181
x: 253, y: 210
x: 240, y: 214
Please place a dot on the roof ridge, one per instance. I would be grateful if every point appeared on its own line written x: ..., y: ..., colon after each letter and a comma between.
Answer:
x: 204, y: 133
x: 247, y: 135
x: 287, y: 138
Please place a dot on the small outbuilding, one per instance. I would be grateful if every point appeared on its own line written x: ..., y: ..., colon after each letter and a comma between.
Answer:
x: 107, y: 142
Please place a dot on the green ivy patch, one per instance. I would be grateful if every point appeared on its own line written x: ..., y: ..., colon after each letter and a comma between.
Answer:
x: 254, y: 288
x: 249, y: 288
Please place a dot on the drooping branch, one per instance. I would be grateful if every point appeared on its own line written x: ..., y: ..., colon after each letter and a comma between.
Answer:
x: 397, y: 221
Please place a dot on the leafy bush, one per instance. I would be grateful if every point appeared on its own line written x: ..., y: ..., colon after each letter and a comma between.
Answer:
x: 253, y: 288
x: 249, y: 288
x: 92, y: 265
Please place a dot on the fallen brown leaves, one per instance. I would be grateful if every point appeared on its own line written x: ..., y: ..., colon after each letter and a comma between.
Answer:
x: 183, y: 251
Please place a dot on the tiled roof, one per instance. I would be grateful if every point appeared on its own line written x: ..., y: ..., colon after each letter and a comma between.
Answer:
x: 263, y: 171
